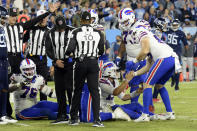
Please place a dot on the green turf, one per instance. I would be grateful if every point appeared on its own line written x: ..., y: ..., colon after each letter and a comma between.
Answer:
x: 184, y: 103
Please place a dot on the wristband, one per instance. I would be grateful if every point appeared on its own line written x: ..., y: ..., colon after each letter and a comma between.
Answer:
x: 135, y: 60
x: 135, y: 74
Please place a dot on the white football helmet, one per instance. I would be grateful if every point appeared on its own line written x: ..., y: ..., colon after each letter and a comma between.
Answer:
x: 94, y: 15
x: 110, y: 69
x: 126, y: 18
x: 28, y: 68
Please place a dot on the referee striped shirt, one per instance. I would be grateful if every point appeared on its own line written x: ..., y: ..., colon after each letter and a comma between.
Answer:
x: 37, y: 36
x: 87, y: 41
x: 14, y: 33
x: 56, y: 43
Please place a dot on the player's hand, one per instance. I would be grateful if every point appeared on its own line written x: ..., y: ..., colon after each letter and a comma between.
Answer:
x: 23, y: 83
x: 60, y: 63
x: 51, y: 70
x: 54, y: 7
x: 129, y: 76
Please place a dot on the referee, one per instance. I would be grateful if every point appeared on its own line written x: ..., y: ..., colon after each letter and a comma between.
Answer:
x: 87, y: 44
x: 56, y: 43
x: 14, y: 40
x: 37, y: 53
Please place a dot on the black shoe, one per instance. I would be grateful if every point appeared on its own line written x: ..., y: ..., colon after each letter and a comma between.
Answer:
x: 172, y: 83
x: 74, y: 122
x: 60, y: 121
x: 176, y: 88
x: 97, y: 124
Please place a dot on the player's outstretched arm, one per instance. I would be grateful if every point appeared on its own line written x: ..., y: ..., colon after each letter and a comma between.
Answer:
x: 145, y: 43
x: 124, y: 84
x: 145, y: 69
x: 121, y: 51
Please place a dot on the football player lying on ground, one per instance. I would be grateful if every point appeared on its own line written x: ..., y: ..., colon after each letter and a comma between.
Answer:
x: 110, y: 87
x: 25, y: 87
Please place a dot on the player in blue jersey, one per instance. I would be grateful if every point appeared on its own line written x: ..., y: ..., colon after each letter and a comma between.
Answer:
x: 174, y: 38
x: 4, y: 119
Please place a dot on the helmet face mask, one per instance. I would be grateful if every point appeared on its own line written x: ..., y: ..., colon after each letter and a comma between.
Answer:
x: 126, y: 18
x: 28, y: 68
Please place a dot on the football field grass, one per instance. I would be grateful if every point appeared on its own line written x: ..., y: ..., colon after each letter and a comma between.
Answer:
x: 184, y: 103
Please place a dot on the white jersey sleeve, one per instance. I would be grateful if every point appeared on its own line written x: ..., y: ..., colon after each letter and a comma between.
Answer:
x: 26, y: 97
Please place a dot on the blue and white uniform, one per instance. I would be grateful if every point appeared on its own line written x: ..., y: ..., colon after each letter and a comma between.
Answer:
x: 164, y: 57
x: 25, y: 100
x: 86, y: 114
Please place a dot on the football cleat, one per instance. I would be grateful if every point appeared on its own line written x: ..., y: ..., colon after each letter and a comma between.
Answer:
x: 97, y: 124
x: 8, y: 119
x: 120, y: 114
x: 73, y: 122
x: 167, y: 116
x: 143, y: 118
x: 154, y: 117
x: 60, y: 121
x: 3, y: 122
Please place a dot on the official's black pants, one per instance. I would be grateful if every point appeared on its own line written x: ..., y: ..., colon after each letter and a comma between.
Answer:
x: 41, y: 69
x: 15, y: 61
x: 63, y: 83
x: 88, y: 69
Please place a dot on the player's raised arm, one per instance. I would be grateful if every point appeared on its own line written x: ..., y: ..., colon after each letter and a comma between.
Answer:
x: 121, y: 51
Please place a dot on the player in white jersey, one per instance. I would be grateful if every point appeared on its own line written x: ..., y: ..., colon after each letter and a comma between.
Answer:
x: 26, y: 87
x: 94, y: 23
x: 94, y: 20
x: 140, y: 42
x: 110, y: 86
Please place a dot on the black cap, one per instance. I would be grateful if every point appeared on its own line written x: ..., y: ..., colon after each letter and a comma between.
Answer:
x: 86, y: 16
x: 60, y: 22
x: 12, y: 12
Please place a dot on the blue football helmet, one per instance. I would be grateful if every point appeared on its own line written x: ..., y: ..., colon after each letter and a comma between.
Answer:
x: 175, y: 24
x: 3, y: 14
x: 161, y: 24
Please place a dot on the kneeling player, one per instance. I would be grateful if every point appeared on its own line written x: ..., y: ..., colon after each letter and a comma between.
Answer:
x: 110, y: 87
x: 25, y: 87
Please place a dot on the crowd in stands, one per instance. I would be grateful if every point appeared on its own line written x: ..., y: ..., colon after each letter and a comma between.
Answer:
x: 184, y: 10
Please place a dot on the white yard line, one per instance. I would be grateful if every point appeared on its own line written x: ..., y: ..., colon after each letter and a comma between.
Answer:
x: 21, y: 124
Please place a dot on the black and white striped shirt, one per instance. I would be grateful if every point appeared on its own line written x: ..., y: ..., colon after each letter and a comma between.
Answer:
x: 37, y: 36
x: 56, y: 43
x: 14, y: 33
x: 87, y: 41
